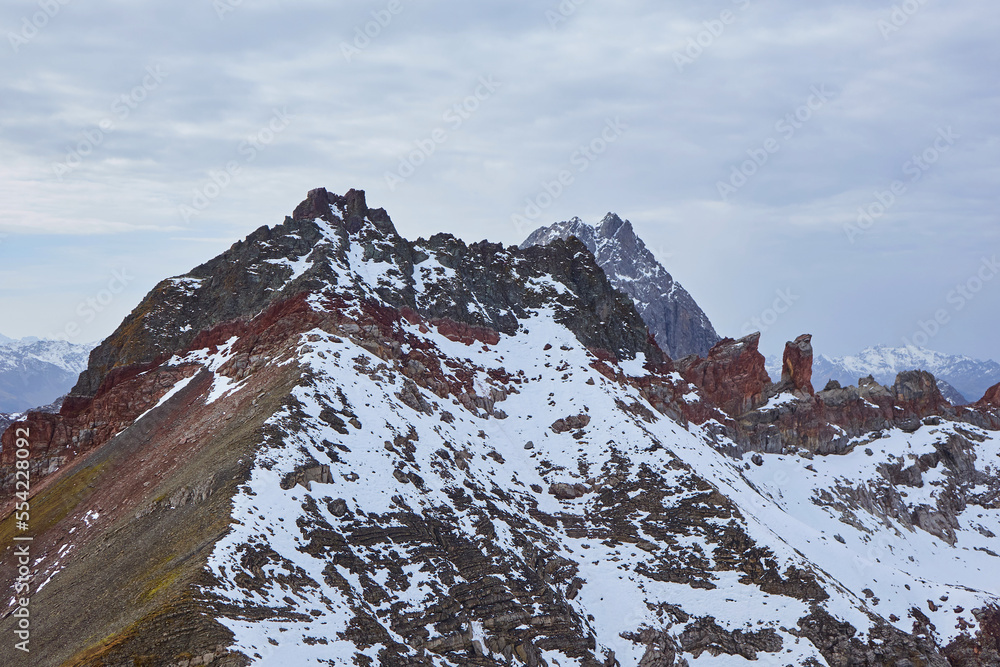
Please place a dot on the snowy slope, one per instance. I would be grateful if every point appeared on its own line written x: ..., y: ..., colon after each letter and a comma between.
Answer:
x: 799, y: 514
x: 614, y: 594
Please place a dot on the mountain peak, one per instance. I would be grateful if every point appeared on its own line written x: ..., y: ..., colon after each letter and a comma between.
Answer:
x: 35, y: 372
x: 349, y: 210
x: 611, y: 224
x: 334, y: 244
x: 672, y: 315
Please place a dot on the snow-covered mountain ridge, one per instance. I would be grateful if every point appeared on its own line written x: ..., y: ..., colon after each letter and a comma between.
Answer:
x: 35, y: 372
x: 331, y: 445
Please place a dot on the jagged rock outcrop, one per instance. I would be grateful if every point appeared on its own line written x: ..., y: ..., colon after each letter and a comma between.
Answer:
x: 706, y: 635
x: 961, y: 378
x: 991, y: 399
x: 675, y: 320
x: 918, y: 393
x: 796, y: 366
x: 732, y: 376
x: 827, y: 421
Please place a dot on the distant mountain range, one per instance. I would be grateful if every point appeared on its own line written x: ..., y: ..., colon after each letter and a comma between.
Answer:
x: 36, y: 372
x: 961, y: 379
x: 679, y: 325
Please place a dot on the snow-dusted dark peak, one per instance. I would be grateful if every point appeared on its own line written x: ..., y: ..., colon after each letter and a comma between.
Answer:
x: 562, y: 230
x: 611, y: 225
x: 678, y: 323
x: 337, y: 247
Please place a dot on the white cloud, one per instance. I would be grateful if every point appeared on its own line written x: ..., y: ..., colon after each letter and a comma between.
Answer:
x: 687, y: 129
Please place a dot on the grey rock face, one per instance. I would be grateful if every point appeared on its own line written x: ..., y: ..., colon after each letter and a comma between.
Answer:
x: 952, y: 395
x: 675, y: 320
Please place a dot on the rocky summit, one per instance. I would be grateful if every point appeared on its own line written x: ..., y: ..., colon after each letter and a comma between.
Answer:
x: 677, y: 322
x: 331, y: 445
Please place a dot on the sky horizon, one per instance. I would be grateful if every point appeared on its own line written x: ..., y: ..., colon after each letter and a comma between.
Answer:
x: 827, y: 169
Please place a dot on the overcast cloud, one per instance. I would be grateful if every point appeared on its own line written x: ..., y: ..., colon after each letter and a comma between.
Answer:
x: 145, y: 137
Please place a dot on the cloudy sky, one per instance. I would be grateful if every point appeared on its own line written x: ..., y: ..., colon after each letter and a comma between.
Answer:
x: 823, y: 167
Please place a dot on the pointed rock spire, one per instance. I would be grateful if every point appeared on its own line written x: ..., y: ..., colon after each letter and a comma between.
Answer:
x: 796, y: 365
